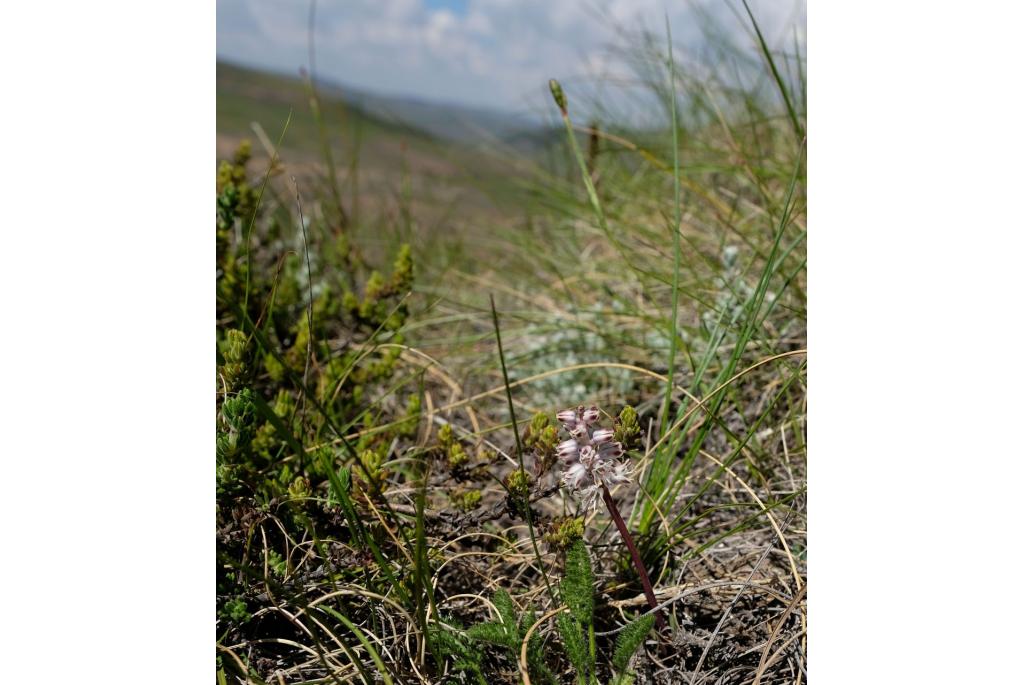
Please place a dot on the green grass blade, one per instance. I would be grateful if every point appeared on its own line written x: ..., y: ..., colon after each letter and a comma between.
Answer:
x: 382, y: 670
x: 676, y: 248
x: 519, y: 448
x: 797, y: 128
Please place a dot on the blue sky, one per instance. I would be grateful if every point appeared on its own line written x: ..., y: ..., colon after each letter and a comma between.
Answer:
x: 456, y: 6
x: 492, y: 53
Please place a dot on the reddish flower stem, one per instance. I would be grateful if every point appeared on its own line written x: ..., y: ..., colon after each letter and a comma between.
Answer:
x: 637, y: 561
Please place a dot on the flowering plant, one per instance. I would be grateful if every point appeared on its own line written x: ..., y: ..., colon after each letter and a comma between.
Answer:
x: 590, y: 463
x: 590, y: 457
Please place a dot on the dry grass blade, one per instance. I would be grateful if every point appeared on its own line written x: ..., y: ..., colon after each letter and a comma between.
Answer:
x: 732, y: 604
x: 524, y: 671
x: 775, y: 632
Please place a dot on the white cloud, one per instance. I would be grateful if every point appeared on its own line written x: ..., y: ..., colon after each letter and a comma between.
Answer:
x: 498, y: 52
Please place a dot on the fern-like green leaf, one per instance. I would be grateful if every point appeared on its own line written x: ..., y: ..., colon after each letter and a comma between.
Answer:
x: 534, y: 649
x: 630, y: 639
x: 459, y: 651
x: 509, y: 632
x: 506, y: 609
x: 578, y: 584
x: 505, y: 631
x: 572, y: 638
x: 491, y: 632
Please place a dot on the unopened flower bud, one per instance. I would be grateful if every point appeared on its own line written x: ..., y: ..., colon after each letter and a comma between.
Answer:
x: 611, y: 450
x: 567, y: 449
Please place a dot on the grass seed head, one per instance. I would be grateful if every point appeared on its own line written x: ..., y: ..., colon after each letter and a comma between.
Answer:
x: 559, y: 95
